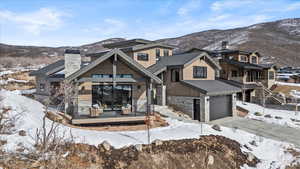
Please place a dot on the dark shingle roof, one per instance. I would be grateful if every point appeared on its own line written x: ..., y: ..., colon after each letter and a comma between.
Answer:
x: 56, y: 66
x: 212, y: 87
x: 174, y: 60
x: 240, y: 85
x: 242, y: 64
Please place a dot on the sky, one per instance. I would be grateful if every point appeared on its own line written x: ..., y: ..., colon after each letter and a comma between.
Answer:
x: 78, y: 22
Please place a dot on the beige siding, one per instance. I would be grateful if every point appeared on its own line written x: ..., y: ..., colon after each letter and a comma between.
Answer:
x: 152, y: 56
x: 178, y: 89
x: 188, y: 70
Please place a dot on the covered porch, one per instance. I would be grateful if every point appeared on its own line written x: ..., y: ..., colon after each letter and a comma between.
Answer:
x: 112, y: 89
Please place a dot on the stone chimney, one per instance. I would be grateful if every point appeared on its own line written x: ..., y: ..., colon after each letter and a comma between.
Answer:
x: 72, y: 61
x: 224, y: 45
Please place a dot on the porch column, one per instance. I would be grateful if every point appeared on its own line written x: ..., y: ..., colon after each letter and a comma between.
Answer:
x: 149, y: 96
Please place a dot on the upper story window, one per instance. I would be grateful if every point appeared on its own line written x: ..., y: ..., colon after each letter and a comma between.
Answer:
x: 175, y: 75
x: 253, y: 59
x: 243, y: 58
x: 143, y: 56
x: 42, y: 86
x: 157, y: 53
x: 234, y: 73
x: 199, y: 72
x: 166, y: 52
x: 271, y: 75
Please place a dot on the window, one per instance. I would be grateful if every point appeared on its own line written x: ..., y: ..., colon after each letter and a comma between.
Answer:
x: 175, y: 75
x: 166, y: 52
x: 200, y: 72
x: 42, y: 86
x: 111, y: 76
x: 157, y: 52
x: 143, y: 56
x: 254, y: 59
x: 243, y: 58
x: 234, y: 73
x: 271, y: 75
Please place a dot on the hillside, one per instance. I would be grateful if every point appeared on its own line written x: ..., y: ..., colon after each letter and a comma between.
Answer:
x: 277, y: 41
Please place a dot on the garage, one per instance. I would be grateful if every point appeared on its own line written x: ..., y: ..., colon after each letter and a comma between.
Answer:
x: 220, y: 107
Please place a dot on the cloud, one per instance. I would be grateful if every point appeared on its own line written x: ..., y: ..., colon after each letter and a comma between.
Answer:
x: 108, y: 27
x: 230, y: 4
x: 188, y: 7
x: 37, y: 21
x: 293, y: 6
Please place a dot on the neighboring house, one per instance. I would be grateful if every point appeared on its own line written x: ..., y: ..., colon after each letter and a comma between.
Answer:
x: 144, y: 52
x: 244, y: 70
x: 190, y: 85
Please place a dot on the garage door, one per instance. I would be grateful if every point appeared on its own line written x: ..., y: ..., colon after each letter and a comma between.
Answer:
x: 220, y: 107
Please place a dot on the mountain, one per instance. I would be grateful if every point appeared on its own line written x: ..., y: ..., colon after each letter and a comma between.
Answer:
x: 277, y: 41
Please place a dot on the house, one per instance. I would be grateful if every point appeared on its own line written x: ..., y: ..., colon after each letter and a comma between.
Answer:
x: 121, y: 83
x: 244, y: 70
x: 190, y: 85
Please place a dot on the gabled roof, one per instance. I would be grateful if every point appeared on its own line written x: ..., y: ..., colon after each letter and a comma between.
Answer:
x: 244, y: 65
x: 49, y: 69
x: 126, y: 43
x: 183, y: 59
x: 120, y: 54
x: 133, y: 48
x: 211, y: 87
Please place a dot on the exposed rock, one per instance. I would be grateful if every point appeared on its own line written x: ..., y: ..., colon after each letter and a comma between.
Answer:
x: 258, y: 114
x: 104, y: 146
x: 210, y: 160
x: 253, y: 143
x: 295, y: 120
x: 278, y: 117
x: 3, y: 142
x: 248, y: 148
x: 216, y: 127
x: 157, y: 142
x: 22, y: 133
x: 139, y: 147
x: 250, y: 156
x: 268, y: 116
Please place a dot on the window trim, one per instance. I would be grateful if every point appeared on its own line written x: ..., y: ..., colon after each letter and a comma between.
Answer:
x: 141, y: 55
x: 256, y: 59
x: 202, y: 74
x: 175, y: 75
x: 157, y: 53
x: 166, y: 52
x: 273, y: 75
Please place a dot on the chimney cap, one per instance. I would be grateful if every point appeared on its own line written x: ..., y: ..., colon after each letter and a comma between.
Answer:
x: 72, y: 51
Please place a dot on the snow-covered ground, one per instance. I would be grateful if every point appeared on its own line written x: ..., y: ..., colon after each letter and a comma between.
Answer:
x: 287, y: 84
x: 272, y: 153
x: 284, y: 117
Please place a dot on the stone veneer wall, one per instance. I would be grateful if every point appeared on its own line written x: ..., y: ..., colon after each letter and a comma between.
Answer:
x: 183, y: 103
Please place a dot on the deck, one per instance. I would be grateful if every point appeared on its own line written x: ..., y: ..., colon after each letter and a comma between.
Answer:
x: 110, y: 117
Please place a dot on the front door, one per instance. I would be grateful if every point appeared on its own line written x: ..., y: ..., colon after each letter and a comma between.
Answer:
x: 197, y: 109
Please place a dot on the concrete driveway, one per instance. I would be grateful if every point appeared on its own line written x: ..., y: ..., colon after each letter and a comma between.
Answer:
x: 272, y: 131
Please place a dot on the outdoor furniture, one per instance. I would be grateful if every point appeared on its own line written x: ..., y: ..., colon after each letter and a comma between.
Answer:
x: 95, y: 111
x: 126, y: 110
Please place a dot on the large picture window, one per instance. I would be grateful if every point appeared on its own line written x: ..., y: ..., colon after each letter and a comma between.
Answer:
x: 112, y: 98
x: 143, y: 56
x: 111, y: 76
x: 199, y: 72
